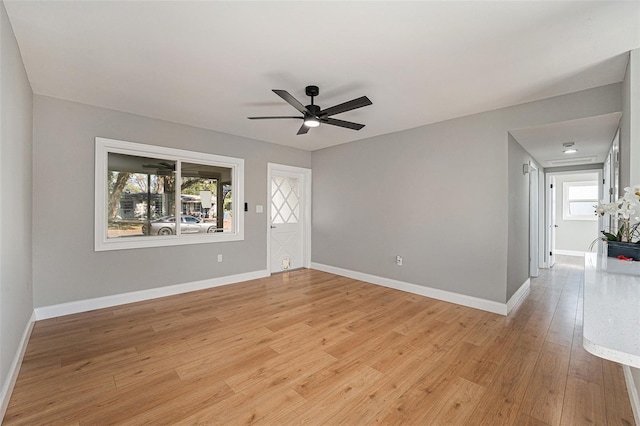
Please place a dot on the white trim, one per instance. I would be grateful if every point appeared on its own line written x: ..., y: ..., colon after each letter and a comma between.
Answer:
x: 14, y: 369
x: 75, y: 307
x: 518, y: 296
x: 534, y: 222
x: 632, y: 389
x: 105, y: 146
x: 306, y: 208
x: 434, y: 293
x: 571, y: 252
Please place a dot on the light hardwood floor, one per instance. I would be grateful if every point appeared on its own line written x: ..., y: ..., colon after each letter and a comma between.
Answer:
x: 306, y: 347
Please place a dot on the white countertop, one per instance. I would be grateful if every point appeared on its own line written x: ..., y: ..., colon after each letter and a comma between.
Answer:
x: 612, y: 309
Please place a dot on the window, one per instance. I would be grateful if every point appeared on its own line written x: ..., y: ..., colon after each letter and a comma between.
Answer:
x: 579, y: 200
x: 142, y: 189
x: 285, y: 197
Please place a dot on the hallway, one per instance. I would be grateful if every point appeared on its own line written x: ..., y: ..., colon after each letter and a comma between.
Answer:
x: 594, y: 388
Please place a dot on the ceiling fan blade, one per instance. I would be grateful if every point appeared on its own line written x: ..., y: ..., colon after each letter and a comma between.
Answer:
x: 291, y: 100
x: 347, y: 106
x: 162, y: 165
x: 269, y: 118
x: 303, y: 129
x: 342, y: 123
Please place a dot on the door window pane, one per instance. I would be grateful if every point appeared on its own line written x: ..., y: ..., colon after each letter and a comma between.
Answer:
x: 285, y: 205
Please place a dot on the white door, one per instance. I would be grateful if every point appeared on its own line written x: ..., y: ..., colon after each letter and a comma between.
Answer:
x: 552, y: 220
x: 288, y: 217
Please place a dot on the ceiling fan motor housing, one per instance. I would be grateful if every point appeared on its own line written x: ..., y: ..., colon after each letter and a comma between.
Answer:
x: 312, y: 90
x: 314, y: 110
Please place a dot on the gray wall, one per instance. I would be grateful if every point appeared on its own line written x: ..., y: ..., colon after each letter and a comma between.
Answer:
x: 16, y: 295
x: 436, y: 195
x: 65, y: 266
x: 630, y: 124
x: 415, y: 194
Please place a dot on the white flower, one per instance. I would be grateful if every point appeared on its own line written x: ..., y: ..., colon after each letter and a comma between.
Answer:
x: 632, y: 194
x: 626, y: 209
x: 603, y: 207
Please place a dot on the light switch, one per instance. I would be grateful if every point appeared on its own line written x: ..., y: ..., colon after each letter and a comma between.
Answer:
x: 259, y: 209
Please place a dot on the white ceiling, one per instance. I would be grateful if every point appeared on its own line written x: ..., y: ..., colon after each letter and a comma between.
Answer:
x: 211, y: 64
x: 591, y: 136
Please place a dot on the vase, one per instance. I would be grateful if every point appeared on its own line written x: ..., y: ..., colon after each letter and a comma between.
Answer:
x: 617, y: 248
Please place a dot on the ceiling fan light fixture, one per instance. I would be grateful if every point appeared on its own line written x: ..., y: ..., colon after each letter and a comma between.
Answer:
x: 311, y: 122
x: 569, y: 148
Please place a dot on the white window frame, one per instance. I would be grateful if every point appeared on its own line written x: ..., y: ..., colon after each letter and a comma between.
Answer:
x: 566, y: 215
x: 105, y: 146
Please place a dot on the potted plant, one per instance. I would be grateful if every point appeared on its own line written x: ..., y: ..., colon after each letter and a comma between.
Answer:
x: 626, y: 210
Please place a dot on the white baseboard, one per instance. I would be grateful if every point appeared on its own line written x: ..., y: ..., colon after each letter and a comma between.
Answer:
x: 75, y: 307
x: 571, y: 252
x: 434, y: 293
x: 632, y: 389
x: 12, y: 374
x: 518, y: 295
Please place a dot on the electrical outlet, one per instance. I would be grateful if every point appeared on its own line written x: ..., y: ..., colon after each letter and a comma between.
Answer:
x: 399, y: 260
x: 219, y: 258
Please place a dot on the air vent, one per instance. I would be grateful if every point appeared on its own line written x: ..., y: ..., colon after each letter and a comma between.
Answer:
x: 570, y: 161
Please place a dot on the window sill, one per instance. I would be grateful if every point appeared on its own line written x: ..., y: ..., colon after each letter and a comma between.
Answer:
x: 125, y: 243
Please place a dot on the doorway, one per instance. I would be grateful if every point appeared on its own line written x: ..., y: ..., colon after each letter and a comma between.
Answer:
x: 289, y: 218
x: 572, y: 225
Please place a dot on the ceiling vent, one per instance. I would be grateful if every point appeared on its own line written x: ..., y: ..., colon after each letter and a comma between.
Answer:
x: 571, y: 161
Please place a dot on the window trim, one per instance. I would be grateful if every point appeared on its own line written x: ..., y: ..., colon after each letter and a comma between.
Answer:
x: 104, y: 146
x: 565, y: 201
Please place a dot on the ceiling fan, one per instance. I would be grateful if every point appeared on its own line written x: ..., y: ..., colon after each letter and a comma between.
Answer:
x: 313, y: 115
x: 162, y: 168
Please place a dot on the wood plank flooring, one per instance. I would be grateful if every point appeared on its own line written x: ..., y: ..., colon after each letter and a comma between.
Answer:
x: 306, y: 347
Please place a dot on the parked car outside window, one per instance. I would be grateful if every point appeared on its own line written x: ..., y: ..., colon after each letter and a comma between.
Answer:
x: 188, y: 225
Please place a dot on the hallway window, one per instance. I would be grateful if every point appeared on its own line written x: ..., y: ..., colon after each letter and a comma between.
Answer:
x: 579, y: 200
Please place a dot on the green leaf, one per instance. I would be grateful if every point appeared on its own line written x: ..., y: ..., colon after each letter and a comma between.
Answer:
x: 610, y: 236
